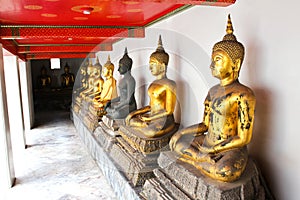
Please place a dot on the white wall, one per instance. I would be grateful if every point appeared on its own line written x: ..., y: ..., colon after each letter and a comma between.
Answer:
x: 270, y: 32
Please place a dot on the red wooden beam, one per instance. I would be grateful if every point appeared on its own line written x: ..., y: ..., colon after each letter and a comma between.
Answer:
x: 65, y: 32
x: 56, y: 49
x: 59, y: 55
x: 190, y: 2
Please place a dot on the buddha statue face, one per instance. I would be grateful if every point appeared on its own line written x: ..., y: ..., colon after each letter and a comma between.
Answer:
x: 83, y: 71
x: 89, y: 70
x: 43, y: 71
x: 107, y: 71
x: 156, y: 67
x: 67, y: 69
x: 222, y: 66
x: 122, y: 68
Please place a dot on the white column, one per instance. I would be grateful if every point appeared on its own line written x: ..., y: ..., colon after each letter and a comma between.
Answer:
x: 26, y: 94
x: 7, y: 173
x: 14, y: 105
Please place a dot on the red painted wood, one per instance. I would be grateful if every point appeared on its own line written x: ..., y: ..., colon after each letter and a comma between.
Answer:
x: 28, y: 28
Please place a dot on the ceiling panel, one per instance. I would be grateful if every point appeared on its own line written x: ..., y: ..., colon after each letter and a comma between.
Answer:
x: 62, y: 28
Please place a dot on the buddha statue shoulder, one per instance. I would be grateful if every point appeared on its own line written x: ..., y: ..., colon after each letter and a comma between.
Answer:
x: 67, y: 78
x: 218, y: 145
x: 157, y: 118
x: 121, y: 106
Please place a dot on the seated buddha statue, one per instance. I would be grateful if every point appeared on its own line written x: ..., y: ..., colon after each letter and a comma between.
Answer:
x: 67, y: 79
x: 109, y: 89
x: 44, y: 80
x: 156, y: 119
x: 82, y: 86
x: 218, y: 145
x: 83, y: 79
x: 121, y: 106
x: 92, y: 75
x: 97, y: 84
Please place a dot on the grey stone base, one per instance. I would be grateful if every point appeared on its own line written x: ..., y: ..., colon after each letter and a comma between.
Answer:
x: 112, y: 124
x: 144, y: 144
x: 178, y: 180
x: 104, y: 137
x: 122, y: 188
x: 136, y: 166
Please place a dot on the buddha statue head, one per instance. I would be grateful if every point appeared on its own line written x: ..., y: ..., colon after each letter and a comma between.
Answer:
x: 231, y: 50
x: 89, y: 68
x: 125, y: 63
x: 83, y: 68
x: 43, y: 71
x: 67, y: 68
x: 159, y: 59
x: 97, y: 67
x: 108, y: 68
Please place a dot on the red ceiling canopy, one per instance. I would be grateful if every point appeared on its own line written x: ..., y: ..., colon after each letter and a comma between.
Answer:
x: 34, y: 29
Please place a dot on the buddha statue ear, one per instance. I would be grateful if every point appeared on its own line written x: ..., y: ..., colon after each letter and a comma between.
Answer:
x: 237, y: 65
x: 236, y: 68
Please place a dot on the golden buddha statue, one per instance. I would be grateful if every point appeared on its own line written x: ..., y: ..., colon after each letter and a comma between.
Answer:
x: 83, y: 79
x: 217, y: 146
x: 67, y: 79
x: 93, y: 74
x: 82, y: 86
x: 97, y: 82
x: 109, y: 89
x: 44, y: 80
x: 121, y: 106
x: 157, y: 118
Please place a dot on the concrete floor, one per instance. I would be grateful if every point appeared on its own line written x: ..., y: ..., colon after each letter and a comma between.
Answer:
x: 56, y: 165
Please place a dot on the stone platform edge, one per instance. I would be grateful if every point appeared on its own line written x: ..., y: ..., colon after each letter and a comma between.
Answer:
x: 118, y: 182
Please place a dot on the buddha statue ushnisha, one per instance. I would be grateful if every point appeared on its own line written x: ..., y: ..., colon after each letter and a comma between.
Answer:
x: 218, y: 145
x: 121, y: 106
x: 109, y: 89
x: 156, y: 119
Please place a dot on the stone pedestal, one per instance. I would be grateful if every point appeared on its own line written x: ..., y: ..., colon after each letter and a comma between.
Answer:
x: 122, y: 188
x: 141, y: 143
x: 107, y: 131
x: 136, y: 155
x: 112, y: 125
x: 104, y: 138
x: 175, y: 179
x: 91, y: 120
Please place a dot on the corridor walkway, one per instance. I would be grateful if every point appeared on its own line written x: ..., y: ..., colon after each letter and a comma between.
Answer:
x: 56, y: 165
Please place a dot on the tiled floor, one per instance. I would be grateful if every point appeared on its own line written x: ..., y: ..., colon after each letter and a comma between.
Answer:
x: 56, y: 165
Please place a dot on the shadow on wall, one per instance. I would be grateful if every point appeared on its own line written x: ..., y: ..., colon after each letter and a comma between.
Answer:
x: 262, y: 133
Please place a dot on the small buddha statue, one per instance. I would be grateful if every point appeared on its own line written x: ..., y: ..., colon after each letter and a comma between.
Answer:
x: 97, y: 82
x: 121, y: 106
x: 76, y: 100
x: 67, y: 79
x: 218, y: 145
x: 44, y: 80
x: 109, y: 89
x: 92, y: 75
x: 156, y: 119
x: 83, y: 78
